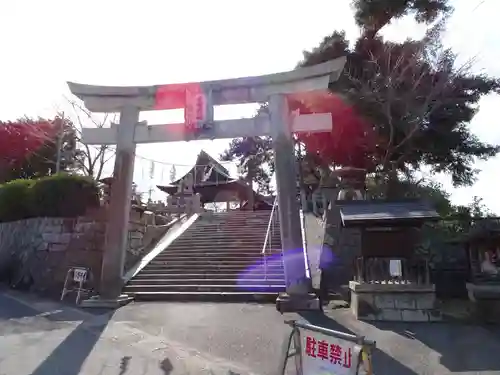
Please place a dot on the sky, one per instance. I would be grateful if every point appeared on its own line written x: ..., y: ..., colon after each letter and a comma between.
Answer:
x: 43, y: 44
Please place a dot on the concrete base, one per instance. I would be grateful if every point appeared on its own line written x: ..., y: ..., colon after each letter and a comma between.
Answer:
x: 293, y: 303
x: 486, y: 301
x: 394, y: 302
x: 483, y: 291
x: 98, y: 302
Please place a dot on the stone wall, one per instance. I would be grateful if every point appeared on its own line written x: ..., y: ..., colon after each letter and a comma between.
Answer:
x: 315, y: 234
x: 394, y: 302
x: 340, y: 248
x: 36, y: 253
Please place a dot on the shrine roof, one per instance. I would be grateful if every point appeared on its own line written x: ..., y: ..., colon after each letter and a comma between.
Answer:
x: 202, y: 175
x: 483, y: 230
x: 383, y: 212
x: 172, y: 188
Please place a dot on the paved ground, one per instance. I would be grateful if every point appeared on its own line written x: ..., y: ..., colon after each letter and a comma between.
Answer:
x: 196, y: 338
x: 66, y: 342
x: 252, y: 334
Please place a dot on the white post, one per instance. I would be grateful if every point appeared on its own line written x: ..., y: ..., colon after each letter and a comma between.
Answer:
x: 119, y: 208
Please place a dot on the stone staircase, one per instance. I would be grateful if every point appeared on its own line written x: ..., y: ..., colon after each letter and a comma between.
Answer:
x: 217, y: 257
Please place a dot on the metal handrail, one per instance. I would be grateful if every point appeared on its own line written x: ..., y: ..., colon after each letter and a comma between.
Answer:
x: 268, y: 241
x: 304, y: 244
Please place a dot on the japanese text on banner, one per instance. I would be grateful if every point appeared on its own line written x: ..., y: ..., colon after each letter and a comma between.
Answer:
x: 323, y: 354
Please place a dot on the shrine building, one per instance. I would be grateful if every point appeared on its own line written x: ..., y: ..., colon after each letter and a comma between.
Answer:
x: 214, y: 184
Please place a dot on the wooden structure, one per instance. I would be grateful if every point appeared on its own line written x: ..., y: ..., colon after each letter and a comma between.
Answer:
x: 215, y: 185
x: 390, y: 281
x: 482, y: 245
x: 388, y: 229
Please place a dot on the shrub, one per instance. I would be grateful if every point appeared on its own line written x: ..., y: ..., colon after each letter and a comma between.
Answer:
x: 15, y: 200
x: 63, y: 195
x: 59, y: 195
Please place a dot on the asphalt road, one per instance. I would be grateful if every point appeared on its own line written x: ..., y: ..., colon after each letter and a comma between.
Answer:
x: 52, y: 340
x: 209, y: 338
x: 251, y: 334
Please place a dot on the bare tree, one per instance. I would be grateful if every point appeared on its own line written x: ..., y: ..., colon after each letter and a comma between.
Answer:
x: 90, y: 160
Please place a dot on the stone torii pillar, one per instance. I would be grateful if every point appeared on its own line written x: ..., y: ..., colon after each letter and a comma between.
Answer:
x: 198, y: 100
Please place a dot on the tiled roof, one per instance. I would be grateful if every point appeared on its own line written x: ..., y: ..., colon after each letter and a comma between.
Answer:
x: 361, y: 211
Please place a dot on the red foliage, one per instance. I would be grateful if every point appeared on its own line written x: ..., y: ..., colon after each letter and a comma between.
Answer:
x: 20, y: 139
x: 351, y: 141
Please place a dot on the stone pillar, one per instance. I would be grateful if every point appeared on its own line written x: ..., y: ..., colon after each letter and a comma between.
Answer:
x: 119, y: 209
x: 298, y: 286
x: 197, y: 203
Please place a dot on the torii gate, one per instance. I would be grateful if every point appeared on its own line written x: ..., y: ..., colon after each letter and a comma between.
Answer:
x: 198, y: 101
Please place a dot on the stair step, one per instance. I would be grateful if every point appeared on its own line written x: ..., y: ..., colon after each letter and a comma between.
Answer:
x: 230, y: 254
x: 215, y: 267
x: 229, y: 232
x: 227, y: 248
x: 240, y: 296
x: 217, y: 261
x: 213, y: 252
x: 187, y: 276
x: 219, y: 258
x: 259, y: 221
x: 212, y: 266
x: 204, y: 288
x: 208, y: 281
x: 210, y: 269
x: 215, y: 243
x: 203, y: 236
x: 207, y: 240
x: 241, y: 226
x: 208, y: 257
x: 206, y: 261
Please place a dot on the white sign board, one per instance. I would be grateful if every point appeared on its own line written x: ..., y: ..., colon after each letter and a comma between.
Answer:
x: 79, y: 275
x: 323, y: 354
x: 195, y: 109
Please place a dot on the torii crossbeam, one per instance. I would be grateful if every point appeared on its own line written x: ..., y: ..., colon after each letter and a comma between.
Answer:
x: 198, y: 101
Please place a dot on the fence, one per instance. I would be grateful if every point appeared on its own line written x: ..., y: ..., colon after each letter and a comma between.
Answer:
x: 375, y: 270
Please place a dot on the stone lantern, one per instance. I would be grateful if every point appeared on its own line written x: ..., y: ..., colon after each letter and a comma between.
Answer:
x: 352, y: 183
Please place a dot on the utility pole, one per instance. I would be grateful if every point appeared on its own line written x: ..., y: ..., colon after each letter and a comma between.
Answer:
x: 60, y: 135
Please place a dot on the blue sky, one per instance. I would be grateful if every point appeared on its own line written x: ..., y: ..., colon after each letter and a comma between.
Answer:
x: 45, y: 43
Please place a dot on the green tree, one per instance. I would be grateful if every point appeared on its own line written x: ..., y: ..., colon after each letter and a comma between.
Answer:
x: 417, y: 101
x: 255, y: 160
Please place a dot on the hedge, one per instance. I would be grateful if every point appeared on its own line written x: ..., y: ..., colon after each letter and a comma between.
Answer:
x: 60, y: 195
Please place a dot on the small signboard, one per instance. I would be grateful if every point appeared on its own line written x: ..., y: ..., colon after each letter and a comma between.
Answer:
x: 75, y: 280
x: 323, y: 354
x: 321, y: 351
x: 79, y: 275
x: 195, y: 110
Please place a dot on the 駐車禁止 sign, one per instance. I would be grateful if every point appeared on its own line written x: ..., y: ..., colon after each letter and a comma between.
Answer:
x: 325, y: 351
x: 323, y: 354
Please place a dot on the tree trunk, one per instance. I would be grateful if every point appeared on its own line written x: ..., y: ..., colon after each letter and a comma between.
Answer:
x: 250, y: 195
x: 393, y: 188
